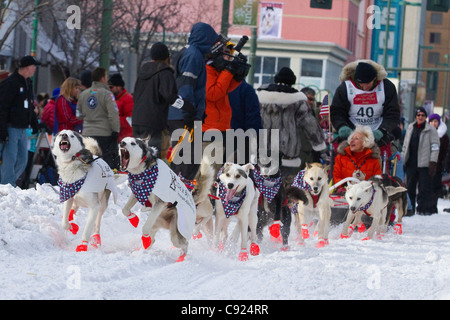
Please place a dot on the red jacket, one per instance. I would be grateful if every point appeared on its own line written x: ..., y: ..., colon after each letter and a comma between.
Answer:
x: 218, y: 110
x: 48, y: 115
x: 367, y: 161
x: 65, y: 114
x: 125, y: 104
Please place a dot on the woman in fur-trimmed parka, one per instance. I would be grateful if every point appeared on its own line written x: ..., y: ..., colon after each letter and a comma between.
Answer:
x: 286, y: 109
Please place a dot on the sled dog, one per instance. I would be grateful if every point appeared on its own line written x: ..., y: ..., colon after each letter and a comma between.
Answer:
x: 84, y: 181
x: 312, y: 184
x: 237, y: 197
x: 371, y: 198
x: 154, y: 184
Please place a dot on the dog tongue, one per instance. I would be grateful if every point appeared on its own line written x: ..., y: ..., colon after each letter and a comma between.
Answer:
x: 230, y: 194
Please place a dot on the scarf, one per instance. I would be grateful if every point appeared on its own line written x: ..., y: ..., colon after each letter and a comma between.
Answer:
x: 300, y: 183
x: 232, y: 207
x: 68, y: 190
x: 142, y: 184
x: 267, y: 186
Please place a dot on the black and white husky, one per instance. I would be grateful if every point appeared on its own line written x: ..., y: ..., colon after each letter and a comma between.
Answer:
x: 154, y: 184
x: 85, y: 181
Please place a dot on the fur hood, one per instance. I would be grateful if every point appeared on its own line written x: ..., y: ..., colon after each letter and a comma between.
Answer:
x: 282, y: 99
x: 349, y: 70
x: 376, y: 153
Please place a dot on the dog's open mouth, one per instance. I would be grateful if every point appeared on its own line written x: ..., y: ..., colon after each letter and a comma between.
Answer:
x: 64, y: 145
x: 230, y: 194
x: 124, y: 158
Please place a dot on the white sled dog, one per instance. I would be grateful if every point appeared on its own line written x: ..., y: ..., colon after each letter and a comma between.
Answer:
x: 237, y: 197
x: 371, y: 198
x: 312, y: 183
x: 155, y: 185
x: 84, y: 181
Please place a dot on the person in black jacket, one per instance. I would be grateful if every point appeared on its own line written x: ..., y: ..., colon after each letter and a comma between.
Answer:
x: 365, y: 97
x: 16, y: 115
x: 155, y: 90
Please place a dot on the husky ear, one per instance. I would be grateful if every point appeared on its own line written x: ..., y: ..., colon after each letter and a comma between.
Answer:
x: 308, y: 165
x: 248, y: 167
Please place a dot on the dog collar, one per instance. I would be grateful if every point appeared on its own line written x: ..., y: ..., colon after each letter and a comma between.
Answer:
x: 368, y: 204
x: 68, y: 190
x: 266, y: 185
x: 142, y: 184
x: 232, y: 207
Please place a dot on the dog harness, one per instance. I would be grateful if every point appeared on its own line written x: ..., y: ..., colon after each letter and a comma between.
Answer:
x: 300, y: 183
x: 232, y: 206
x: 142, y: 184
x: 69, y: 190
x: 368, y: 204
x: 267, y: 186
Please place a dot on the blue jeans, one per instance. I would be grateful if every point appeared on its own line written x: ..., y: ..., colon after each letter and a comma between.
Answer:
x: 15, y: 156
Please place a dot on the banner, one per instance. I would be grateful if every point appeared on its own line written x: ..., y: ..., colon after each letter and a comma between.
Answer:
x: 245, y: 12
x: 271, y: 15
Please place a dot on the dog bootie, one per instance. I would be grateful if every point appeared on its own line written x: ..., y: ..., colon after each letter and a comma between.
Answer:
x: 398, y: 228
x: 197, y: 236
x: 82, y: 247
x: 181, y: 257
x: 74, y: 228
x: 274, y: 229
x: 322, y: 243
x: 243, y: 255
x: 305, y: 232
x: 134, y: 220
x: 71, y: 213
x: 361, y: 227
x: 254, y: 249
x: 146, y: 241
x: 96, y: 241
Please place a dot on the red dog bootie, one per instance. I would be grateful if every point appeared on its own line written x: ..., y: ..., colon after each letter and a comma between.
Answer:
x: 134, y: 220
x: 96, y: 241
x: 71, y: 213
x: 398, y: 228
x: 254, y: 249
x: 305, y: 232
x: 74, y: 228
x: 146, y: 241
x: 322, y: 243
x: 82, y: 247
x: 274, y: 229
x: 361, y: 227
x: 181, y: 257
x: 243, y: 255
x: 197, y: 236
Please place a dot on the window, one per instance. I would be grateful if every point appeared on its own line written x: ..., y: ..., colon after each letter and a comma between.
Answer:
x: 436, y: 18
x: 433, y: 57
x: 311, y: 68
x: 435, y: 37
x: 267, y: 67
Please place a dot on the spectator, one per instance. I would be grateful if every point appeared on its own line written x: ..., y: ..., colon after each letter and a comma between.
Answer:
x: 311, y: 96
x: 365, y: 97
x: 48, y: 115
x: 98, y: 109
x: 358, y: 156
x: 441, y: 127
x: 16, y: 115
x: 420, y: 153
x: 86, y: 80
x: 190, y: 71
x: 66, y: 106
x: 125, y: 104
x: 286, y: 109
x: 154, y: 92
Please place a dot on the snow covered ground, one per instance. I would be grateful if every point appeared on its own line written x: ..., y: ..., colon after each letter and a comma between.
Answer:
x: 38, y: 261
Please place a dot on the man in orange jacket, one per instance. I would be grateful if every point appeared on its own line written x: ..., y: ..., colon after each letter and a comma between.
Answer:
x: 124, y: 101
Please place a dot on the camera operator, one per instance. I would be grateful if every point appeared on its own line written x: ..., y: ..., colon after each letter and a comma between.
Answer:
x: 224, y: 74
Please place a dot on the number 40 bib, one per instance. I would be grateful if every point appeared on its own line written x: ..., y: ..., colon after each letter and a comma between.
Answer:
x: 366, y: 107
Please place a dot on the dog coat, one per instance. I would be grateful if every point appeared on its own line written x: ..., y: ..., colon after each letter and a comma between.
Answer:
x: 267, y: 186
x: 98, y: 178
x: 165, y: 184
x: 232, y: 206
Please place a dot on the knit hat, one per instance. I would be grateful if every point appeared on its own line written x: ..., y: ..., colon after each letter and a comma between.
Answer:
x: 365, y: 72
x: 116, y: 80
x: 422, y: 109
x: 159, y: 51
x: 286, y: 76
x: 86, y: 78
x: 28, y: 61
x: 434, y: 116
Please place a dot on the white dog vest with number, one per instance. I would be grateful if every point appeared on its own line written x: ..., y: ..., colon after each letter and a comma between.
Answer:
x: 169, y: 188
x: 366, y: 107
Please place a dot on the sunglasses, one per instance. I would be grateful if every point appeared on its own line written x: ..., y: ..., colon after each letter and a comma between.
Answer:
x: 420, y: 115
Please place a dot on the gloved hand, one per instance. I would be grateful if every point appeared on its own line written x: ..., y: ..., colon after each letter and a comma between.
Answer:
x: 432, y: 168
x: 378, y: 135
x: 233, y: 66
x: 344, y: 132
x: 4, y: 134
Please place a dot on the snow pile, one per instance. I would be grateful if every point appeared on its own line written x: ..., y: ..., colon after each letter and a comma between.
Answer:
x: 38, y: 260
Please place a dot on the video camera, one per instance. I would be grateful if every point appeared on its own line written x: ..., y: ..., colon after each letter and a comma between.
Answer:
x: 237, y: 65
